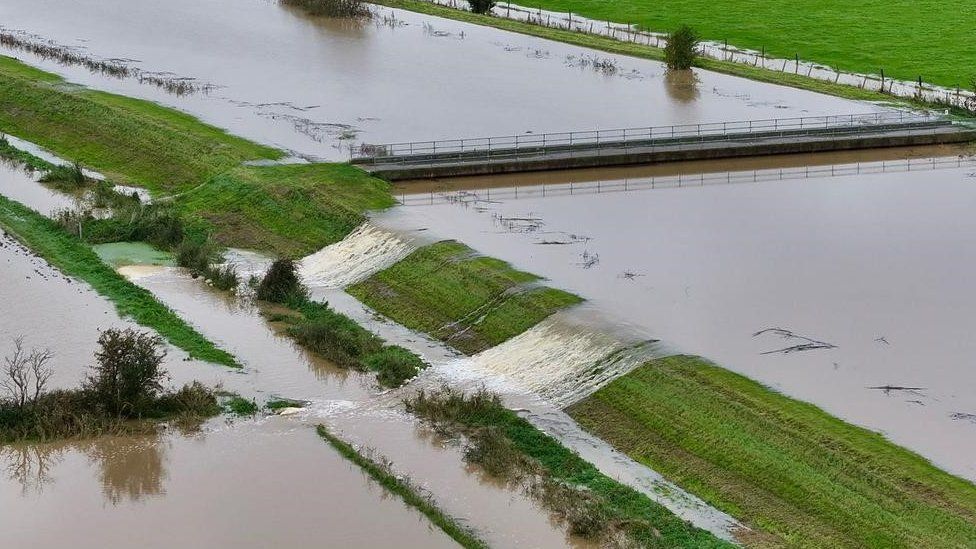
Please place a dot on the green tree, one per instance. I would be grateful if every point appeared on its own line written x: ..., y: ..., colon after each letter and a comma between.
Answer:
x: 682, y: 48
x: 127, y: 376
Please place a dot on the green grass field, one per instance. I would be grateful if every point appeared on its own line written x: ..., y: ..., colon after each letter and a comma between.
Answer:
x: 784, y: 467
x: 469, y: 301
x: 74, y: 258
x: 907, y: 38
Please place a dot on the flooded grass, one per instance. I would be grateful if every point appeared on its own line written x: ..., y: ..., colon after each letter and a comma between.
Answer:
x: 642, y: 51
x: 345, y: 343
x: 382, y: 474
x: 468, y: 301
x: 593, y: 505
x: 26, y: 159
x: 74, y: 258
x: 783, y: 467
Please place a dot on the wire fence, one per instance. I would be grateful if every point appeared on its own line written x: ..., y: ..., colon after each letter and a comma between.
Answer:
x: 531, y: 144
x: 517, y: 192
x: 956, y: 97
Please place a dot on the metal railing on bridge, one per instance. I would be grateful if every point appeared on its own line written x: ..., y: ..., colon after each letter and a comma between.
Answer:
x: 533, y: 145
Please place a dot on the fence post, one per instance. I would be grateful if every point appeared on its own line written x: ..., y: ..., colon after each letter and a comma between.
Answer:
x: 797, y: 71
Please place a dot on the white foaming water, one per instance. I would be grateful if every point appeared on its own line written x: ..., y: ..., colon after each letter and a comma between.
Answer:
x: 365, y: 251
x: 563, y: 361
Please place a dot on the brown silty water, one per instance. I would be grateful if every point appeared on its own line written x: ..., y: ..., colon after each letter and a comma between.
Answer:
x: 875, y: 264
x: 292, y: 476
x: 318, y: 86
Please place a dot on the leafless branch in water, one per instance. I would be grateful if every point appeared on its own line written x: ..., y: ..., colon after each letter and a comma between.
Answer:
x: 809, y: 344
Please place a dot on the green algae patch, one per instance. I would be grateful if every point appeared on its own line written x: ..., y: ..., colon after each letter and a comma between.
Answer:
x: 122, y: 254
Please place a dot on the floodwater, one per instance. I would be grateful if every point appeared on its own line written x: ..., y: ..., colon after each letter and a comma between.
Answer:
x: 21, y: 185
x: 876, y: 264
x: 292, y: 476
x: 317, y: 86
x: 244, y: 485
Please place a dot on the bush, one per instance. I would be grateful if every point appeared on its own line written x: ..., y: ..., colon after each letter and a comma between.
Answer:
x: 332, y: 8
x: 682, y: 48
x: 222, y: 277
x: 127, y: 377
x: 241, y: 406
x: 394, y: 365
x: 281, y: 284
x: 70, y: 176
x: 481, y: 6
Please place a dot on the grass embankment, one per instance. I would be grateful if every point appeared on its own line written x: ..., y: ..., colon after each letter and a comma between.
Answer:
x: 512, y: 450
x: 905, y: 38
x: 287, y: 210
x: 468, y: 301
x: 401, y: 487
x: 781, y: 466
x: 643, y: 51
x: 74, y: 258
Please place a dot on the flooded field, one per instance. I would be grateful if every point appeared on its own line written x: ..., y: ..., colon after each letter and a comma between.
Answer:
x: 874, y: 266
x: 317, y: 86
x: 243, y: 485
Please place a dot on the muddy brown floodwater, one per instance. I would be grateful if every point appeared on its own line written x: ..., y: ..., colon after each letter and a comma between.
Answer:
x: 878, y: 265
x: 250, y: 484
x: 243, y: 484
x: 317, y: 86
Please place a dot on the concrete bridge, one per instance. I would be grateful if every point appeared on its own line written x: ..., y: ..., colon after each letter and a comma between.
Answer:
x: 587, y: 149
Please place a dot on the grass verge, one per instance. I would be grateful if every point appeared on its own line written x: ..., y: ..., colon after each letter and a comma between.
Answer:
x: 643, y: 51
x: 470, y: 302
x: 781, y: 466
x: 594, y: 505
x: 74, y: 258
x: 382, y: 474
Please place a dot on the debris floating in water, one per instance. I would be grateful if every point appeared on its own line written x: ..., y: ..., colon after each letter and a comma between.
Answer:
x: 808, y: 344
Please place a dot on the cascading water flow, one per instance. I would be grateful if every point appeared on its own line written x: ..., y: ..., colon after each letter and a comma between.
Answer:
x: 562, y: 360
x: 365, y: 251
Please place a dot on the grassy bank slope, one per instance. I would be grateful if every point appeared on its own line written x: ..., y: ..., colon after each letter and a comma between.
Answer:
x: 129, y: 140
x: 469, y: 301
x: 782, y: 466
x: 288, y: 210
x: 906, y: 38
x: 74, y: 258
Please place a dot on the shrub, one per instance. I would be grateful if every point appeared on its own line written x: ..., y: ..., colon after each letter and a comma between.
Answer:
x: 681, y: 49
x: 481, y: 6
x: 394, y: 365
x: 196, y: 255
x: 127, y: 376
x: 222, y: 277
x: 332, y: 8
x: 281, y: 284
x: 70, y: 176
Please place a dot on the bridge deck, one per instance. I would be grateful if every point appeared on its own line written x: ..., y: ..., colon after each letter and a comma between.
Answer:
x: 481, y: 160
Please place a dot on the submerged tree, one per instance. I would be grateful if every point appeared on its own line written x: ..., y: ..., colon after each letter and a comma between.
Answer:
x: 481, y: 6
x: 128, y: 375
x: 25, y: 374
x: 682, y: 48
